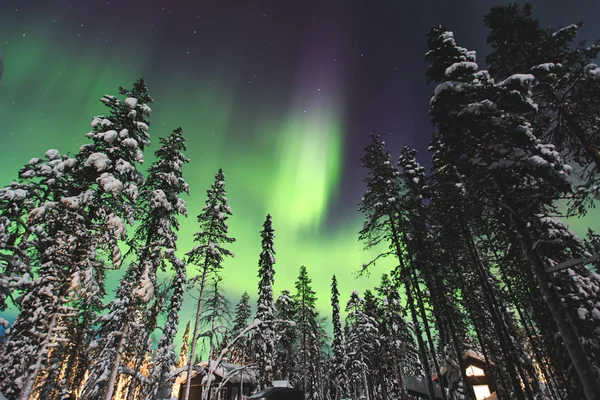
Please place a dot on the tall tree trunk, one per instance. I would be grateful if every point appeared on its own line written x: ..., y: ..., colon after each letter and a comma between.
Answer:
x: 186, y: 392
x: 32, y: 375
x: 495, y: 309
x: 577, y: 353
x: 413, y: 312
x: 421, y: 304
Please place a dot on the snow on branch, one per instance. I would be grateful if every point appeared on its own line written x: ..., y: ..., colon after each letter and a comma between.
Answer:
x: 573, y: 263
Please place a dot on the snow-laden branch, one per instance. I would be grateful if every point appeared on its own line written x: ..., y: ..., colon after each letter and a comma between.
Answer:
x: 572, y: 263
x: 255, y: 324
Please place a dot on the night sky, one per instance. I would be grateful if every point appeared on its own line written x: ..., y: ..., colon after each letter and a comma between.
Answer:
x: 281, y: 95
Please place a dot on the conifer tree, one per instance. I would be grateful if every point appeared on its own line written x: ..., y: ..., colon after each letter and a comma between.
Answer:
x: 306, y: 328
x: 216, y: 313
x: 399, y: 355
x: 209, y: 253
x: 381, y: 210
x: 155, y: 239
x: 567, y: 82
x: 362, y: 341
x: 263, y: 338
x: 185, y: 347
x: 77, y: 229
x: 240, y: 351
x: 286, y: 338
x: 338, y: 362
x: 493, y: 144
x: 164, y: 360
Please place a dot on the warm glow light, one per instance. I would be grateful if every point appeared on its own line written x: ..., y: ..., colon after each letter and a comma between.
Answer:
x: 474, y: 371
x: 481, y: 391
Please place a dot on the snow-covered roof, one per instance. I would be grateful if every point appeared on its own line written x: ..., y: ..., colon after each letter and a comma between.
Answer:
x: 417, y: 385
x: 234, y: 373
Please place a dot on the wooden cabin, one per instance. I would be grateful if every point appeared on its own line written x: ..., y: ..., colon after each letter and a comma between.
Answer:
x: 477, y: 376
x: 238, y: 382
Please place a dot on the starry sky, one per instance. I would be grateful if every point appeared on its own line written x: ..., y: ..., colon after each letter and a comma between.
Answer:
x: 280, y: 94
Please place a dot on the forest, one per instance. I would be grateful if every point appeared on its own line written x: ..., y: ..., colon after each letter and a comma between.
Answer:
x: 485, y: 266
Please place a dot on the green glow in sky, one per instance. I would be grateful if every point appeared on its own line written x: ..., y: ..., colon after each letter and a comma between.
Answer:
x: 277, y: 158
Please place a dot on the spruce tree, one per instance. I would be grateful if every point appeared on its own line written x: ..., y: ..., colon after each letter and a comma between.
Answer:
x: 382, y: 213
x: 209, y: 253
x: 154, y: 240
x: 493, y: 144
x: 263, y: 338
x: 240, y: 351
x: 566, y: 86
x: 286, y: 338
x: 306, y: 327
x: 399, y: 356
x: 338, y: 348
x: 362, y: 342
x: 185, y: 347
x: 77, y: 229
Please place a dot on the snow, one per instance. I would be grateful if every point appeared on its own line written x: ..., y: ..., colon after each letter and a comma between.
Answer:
x: 110, y: 184
x: 124, y: 167
x: 582, y: 313
x: 52, y: 154
x: 566, y: 28
x: 34, y: 161
x: 129, y: 142
x: 469, y: 65
x: 116, y: 223
x: 71, y: 202
x: 146, y: 110
x: 592, y: 72
x: 100, y: 161
x: 110, y: 136
x: 36, y: 213
x: 123, y: 133
x: 12, y: 195
x: 523, y: 79
x: 141, y: 126
x: 131, y: 102
x: 547, y: 66
x: 159, y: 200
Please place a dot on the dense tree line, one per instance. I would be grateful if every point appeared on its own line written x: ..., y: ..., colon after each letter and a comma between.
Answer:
x: 483, y: 263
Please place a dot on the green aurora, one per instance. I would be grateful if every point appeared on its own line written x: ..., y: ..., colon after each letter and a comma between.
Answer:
x: 286, y: 162
x: 282, y: 154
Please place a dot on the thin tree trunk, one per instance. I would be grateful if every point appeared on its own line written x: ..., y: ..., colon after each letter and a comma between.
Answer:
x: 186, y: 392
x: 428, y: 332
x: 413, y: 312
x: 495, y: 309
x: 108, y: 393
x: 31, y: 376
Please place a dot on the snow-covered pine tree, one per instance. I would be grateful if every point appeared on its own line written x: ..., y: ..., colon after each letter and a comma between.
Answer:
x: 362, y: 341
x: 77, y: 229
x: 338, y: 348
x: 156, y: 242
x: 240, y: 351
x: 399, y: 356
x: 185, y: 347
x: 286, y: 338
x: 420, y: 248
x: 263, y: 339
x: 155, y: 239
x: 216, y: 314
x: 164, y: 359
x: 567, y: 81
x: 486, y: 132
x: 209, y: 253
x: 381, y: 210
x: 306, y: 327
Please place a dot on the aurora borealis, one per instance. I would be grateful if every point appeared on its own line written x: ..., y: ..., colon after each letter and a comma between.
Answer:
x: 279, y: 94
